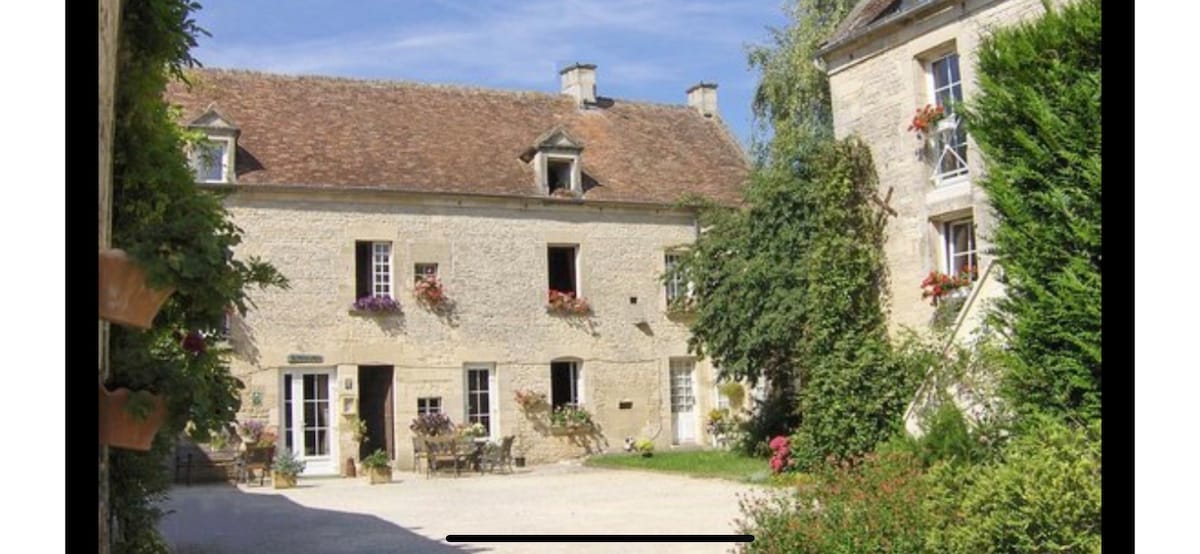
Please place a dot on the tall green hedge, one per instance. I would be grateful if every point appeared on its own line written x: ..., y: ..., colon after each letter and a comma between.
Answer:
x: 1037, y: 122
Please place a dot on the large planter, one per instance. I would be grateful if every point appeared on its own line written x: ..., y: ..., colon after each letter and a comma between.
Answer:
x: 379, y: 475
x: 283, y: 481
x: 119, y: 428
x: 124, y: 296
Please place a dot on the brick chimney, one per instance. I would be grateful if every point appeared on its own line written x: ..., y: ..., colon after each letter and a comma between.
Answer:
x: 702, y: 97
x: 579, y: 82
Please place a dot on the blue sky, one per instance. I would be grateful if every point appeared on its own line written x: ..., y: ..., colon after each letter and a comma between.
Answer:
x: 650, y: 50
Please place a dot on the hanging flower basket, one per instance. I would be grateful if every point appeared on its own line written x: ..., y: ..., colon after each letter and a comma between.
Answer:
x: 124, y: 296
x: 430, y: 292
x: 130, y: 419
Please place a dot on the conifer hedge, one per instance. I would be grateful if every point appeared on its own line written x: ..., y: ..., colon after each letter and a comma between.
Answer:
x: 1036, y: 121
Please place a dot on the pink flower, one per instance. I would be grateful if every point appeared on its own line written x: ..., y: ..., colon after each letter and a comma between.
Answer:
x: 776, y: 464
x: 779, y: 443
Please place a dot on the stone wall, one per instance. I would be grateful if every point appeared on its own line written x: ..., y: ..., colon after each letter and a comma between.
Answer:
x: 876, y: 83
x: 493, y: 263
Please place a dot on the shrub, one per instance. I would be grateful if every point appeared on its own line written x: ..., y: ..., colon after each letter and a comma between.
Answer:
x: 286, y: 463
x: 1042, y: 496
x: 871, y: 506
x: 772, y: 417
x: 1037, y: 122
x: 947, y: 437
x: 429, y: 425
x: 377, y: 460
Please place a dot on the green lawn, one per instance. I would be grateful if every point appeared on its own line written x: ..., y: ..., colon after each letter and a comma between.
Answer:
x: 697, y: 463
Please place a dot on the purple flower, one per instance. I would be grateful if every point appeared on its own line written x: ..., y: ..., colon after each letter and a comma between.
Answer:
x: 377, y: 304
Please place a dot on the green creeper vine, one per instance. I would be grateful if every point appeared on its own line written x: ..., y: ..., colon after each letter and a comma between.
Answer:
x: 183, y: 237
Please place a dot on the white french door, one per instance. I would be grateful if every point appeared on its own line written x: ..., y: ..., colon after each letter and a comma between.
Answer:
x: 480, y: 395
x: 683, y: 400
x: 309, y: 422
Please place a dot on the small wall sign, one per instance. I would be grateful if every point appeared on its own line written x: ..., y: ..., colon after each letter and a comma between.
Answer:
x: 305, y: 358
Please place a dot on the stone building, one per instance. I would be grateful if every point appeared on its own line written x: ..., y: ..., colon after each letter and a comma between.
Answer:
x: 357, y: 189
x: 888, y: 59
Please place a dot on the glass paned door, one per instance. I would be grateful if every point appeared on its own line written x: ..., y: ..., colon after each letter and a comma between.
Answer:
x: 683, y: 400
x: 309, y: 427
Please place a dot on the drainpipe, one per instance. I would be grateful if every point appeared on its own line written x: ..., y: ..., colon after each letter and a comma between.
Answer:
x: 109, y: 24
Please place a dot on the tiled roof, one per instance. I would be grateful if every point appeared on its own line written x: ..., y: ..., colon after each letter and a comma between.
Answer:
x: 327, y: 132
x: 866, y: 12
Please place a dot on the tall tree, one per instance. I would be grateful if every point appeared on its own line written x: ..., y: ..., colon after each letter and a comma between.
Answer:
x: 790, y: 287
x: 1037, y: 123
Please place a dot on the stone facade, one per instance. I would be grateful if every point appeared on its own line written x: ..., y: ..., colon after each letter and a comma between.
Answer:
x: 878, y: 78
x: 492, y: 257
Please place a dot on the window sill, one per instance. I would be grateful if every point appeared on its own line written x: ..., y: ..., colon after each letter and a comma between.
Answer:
x: 374, y: 313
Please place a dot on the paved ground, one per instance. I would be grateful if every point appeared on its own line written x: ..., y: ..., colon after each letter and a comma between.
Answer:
x: 414, y: 514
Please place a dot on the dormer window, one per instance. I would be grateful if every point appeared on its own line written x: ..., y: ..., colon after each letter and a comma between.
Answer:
x: 212, y: 159
x: 559, y: 173
x: 555, y: 157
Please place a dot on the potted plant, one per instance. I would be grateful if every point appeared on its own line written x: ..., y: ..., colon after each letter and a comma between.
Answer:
x: 125, y: 298
x: 570, y: 418
x: 285, y: 468
x: 938, y: 285
x: 429, y: 425
x: 130, y: 419
x: 926, y: 120
x: 378, y: 467
x: 566, y: 303
x: 376, y: 304
x: 645, y: 447
x: 472, y: 430
x: 430, y: 292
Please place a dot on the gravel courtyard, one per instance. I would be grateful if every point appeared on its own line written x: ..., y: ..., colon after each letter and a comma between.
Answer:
x: 414, y: 514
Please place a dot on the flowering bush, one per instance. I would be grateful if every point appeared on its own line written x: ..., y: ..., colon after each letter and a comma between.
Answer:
x: 570, y: 415
x: 528, y: 399
x: 193, y: 343
x: 780, y: 460
x: 430, y: 291
x: 472, y: 430
x: 567, y: 303
x: 251, y: 431
x: 431, y: 425
x: 376, y: 304
x: 925, y: 119
x: 872, y: 506
x: 938, y: 285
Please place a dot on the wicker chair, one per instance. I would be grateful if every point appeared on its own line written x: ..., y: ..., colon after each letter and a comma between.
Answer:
x: 256, y: 458
x: 498, y: 455
x: 420, y: 453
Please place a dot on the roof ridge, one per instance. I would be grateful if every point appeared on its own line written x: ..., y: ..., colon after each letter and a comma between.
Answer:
x: 410, y: 83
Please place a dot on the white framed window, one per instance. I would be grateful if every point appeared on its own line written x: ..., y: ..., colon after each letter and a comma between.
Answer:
x: 373, y: 269
x: 950, y: 139
x: 210, y: 160
x: 676, y: 287
x: 480, y: 397
x: 960, y: 246
x: 565, y: 383
x: 381, y: 269
x: 429, y: 405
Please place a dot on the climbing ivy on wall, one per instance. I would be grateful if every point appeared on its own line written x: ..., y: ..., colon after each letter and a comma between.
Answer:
x: 184, y: 238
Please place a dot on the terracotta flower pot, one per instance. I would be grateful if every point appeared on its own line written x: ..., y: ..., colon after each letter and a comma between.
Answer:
x: 124, y: 296
x: 282, y: 481
x: 121, y: 429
